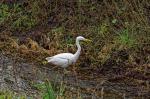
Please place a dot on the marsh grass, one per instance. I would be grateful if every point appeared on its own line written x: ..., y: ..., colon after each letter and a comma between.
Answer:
x: 51, y: 91
x: 4, y: 12
x: 113, y: 26
x: 123, y: 23
x: 11, y: 95
x: 126, y: 39
x: 18, y: 18
x: 47, y: 91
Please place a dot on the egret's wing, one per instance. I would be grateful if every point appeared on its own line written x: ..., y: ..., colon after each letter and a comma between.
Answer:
x: 49, y: 58
x: 60, y: 61
x: 63, y: 59
x: 66, y: 60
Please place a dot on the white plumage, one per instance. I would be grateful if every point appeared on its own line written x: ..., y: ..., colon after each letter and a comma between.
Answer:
x: 66, y: 59
x: 63, y: 59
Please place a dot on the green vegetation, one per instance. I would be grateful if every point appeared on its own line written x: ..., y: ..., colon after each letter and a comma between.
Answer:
x: 119, y: 30
x: 126, y: 39
x: 11, y: 95
x: 4, y: 12
x: 17, y: 18
x: 51, y: 91
x: 47, y: 92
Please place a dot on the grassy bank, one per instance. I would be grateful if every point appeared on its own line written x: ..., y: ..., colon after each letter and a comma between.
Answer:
x: 119, y: 30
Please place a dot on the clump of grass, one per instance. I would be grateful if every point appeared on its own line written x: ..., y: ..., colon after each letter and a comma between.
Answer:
x: 102, y: 30
x: 11, y: 95
x: 22, y: 21
x: 39, y: 10
x: 4, y: 12
x: 126, y: 39
x: 14, y: 17
x: 18, y: 17
x: 49, y: 91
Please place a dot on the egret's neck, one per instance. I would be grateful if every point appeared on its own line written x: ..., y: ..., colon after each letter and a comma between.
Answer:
x: 76, y: 55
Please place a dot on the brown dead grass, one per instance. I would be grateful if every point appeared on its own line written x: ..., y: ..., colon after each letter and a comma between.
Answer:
x: 58, y: 24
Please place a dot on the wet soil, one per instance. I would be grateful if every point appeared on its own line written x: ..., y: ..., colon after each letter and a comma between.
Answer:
x: 125, y: 75
x: 18, y: 75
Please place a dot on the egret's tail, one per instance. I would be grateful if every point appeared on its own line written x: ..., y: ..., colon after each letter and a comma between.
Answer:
x: 48, y: 58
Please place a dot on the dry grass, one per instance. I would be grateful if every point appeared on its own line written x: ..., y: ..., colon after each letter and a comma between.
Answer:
x: 119, y: 31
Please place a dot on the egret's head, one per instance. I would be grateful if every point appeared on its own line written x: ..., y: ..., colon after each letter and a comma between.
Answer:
x: 81, y: 38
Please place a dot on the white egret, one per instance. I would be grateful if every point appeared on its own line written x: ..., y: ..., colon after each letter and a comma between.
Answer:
x: 66, y: 59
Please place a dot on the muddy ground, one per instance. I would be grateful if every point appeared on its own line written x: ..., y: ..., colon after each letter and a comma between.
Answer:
x: 113, y: 81
x: 108, y: 68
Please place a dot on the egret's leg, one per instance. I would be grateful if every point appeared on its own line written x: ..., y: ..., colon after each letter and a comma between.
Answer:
x: 76, y: 77
x: 66, y: 64
x: 75, y: 73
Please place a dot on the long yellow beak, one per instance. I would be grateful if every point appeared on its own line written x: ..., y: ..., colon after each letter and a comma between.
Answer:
x: 87, y: 40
